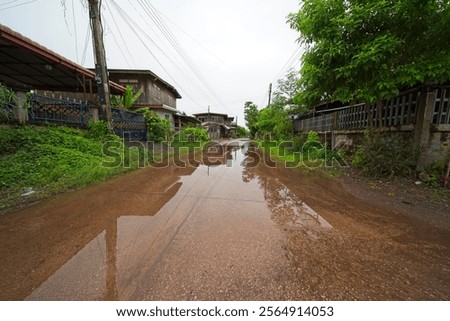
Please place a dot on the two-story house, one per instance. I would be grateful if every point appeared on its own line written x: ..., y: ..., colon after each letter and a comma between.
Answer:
x: 157, y: 94
x: 218, y: 125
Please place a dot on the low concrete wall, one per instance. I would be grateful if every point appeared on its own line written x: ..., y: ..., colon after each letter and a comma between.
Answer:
x: 436, y: 148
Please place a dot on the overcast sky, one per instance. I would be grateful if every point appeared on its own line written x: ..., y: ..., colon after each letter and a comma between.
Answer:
x: 226, y: 52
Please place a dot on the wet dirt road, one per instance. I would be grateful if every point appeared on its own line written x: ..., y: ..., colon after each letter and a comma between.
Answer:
x: 222, y: 230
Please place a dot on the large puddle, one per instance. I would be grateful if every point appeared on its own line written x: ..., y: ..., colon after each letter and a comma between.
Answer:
x: 108, y: 241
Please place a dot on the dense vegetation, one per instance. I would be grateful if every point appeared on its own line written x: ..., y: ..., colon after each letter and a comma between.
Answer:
x: 359, y: 51
x: 47, y: 160
x: 369, y: 50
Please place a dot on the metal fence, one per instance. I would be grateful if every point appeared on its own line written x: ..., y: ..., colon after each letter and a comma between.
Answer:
x: 441, y: 113
x: 45, y: 109
x: 7, y: 113
x: 129, y: 125
x: 398, y: 111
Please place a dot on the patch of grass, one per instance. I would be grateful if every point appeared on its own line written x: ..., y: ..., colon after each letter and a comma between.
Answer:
x: 48, y: 160
x: 382, y: 155
x: 305, y: 152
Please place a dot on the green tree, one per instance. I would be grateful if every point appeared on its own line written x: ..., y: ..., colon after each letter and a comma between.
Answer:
x: 274, y: 120
x: 369, y: 50
x: 251, y: 117
x: 287, y: 88
x: 158, y: 129
x: 241, y: 131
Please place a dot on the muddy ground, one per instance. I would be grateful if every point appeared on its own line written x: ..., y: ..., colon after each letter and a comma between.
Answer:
x: 229, y: 228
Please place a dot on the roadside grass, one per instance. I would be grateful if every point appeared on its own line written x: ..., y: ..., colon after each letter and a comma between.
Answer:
x: 308, y: 155
x: 39, y: 161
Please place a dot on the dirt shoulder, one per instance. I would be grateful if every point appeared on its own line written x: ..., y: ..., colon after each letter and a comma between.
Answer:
x: 401, y: 196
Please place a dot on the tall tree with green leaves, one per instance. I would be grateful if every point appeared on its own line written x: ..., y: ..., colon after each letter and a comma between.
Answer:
x: 251, y: 117
x: 274, y: 120
x: 287, y: 88
x: 370, y: 50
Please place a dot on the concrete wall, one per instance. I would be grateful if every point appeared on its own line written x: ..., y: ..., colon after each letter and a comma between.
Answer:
x: 421, y: 114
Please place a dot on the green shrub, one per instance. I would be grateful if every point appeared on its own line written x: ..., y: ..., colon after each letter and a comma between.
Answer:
x: 7, y: 97
x: 51, y: 159
x: 98, y: 130
x: 433, y: 174
x: 192, y: 134
x: 385, y: 155
x: 159, y: 129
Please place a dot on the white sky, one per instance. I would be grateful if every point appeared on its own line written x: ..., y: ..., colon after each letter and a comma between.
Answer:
x: 236, y: 47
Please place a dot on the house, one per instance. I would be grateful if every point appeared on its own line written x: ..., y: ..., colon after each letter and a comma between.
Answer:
x: 218, y: 125
x: 183, y: 120
x: 157, y: 94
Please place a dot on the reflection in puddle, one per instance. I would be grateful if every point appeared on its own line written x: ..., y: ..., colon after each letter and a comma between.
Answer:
x: 286, y: 207
x: 83, y: 277
x: 138, y: 222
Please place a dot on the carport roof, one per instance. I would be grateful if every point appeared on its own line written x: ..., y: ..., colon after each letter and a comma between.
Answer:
x: 27, y: 65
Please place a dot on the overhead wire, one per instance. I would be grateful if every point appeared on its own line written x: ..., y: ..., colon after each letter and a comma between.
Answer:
x: 185, y: 74
x: 16, y: 5
x: 133, y: 26
x: 154, y: 15
x: 293, y: 59
x: 86, y: 43
x: 75, y: 31
x: 4, y: 4
x: 196, y: 41
x: 165, y: 31
x: 114, y: 37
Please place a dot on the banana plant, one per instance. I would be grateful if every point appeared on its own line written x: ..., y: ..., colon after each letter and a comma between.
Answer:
x: 127, y: 100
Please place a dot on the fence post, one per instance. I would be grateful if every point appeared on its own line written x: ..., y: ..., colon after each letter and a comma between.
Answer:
x: 94, y: 111
x: 425, y: 109
x: 21, y: 111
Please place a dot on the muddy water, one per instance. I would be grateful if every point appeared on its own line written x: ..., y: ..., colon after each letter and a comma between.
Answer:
x: 227, y: 228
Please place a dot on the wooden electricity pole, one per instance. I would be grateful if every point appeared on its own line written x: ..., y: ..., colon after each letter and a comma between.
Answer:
x: 270, y: 94
x: 101, y: 72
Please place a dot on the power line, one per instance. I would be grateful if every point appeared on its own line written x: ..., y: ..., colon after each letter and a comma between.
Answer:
x: 133, y: 26
x: 196, y: 41
x: 163, y: 28
x: 171, y: 38
x: 4, y: 4
x: 75, y: 31
x: 86, y: 43
x: 16, y: 5
x: 292, y: 59
x: 114, y: 37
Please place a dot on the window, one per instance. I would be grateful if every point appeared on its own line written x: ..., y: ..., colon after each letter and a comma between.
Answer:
x: 157, y: 91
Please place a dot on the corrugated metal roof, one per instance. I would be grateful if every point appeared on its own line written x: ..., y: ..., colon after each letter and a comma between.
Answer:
x: 25, y: 64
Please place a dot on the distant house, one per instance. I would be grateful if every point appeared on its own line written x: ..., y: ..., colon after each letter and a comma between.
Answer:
x: 157, y: 94
x: 217, y: 125
x: 182, y: 121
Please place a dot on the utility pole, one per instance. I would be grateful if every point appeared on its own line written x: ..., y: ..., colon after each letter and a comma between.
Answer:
x: 101, y: 72
x: 270, y: 94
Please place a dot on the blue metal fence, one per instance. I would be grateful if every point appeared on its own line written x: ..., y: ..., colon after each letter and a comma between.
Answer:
x: 45, y: 109
x: 129, y: 125
x: 7, y: 113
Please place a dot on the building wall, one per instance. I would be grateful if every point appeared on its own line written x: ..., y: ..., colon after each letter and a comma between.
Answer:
x: 164, y: 114
x: 211, y: 117
x: 154, y: 92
